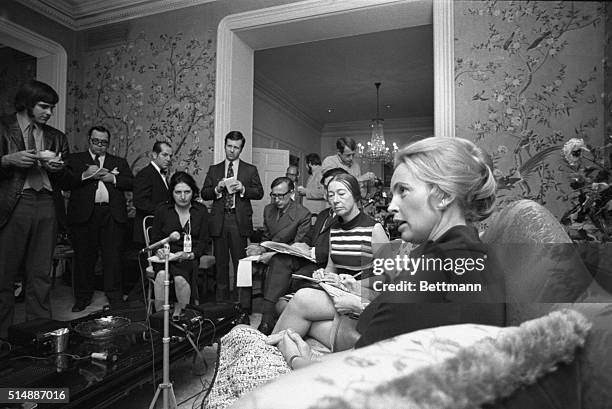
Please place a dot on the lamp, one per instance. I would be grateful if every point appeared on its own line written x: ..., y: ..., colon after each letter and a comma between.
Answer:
x: 376, y: 149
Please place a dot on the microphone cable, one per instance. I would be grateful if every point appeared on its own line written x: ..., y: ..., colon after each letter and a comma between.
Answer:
x: 214, y: 377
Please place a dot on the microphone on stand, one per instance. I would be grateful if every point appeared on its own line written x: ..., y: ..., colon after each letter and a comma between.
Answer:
x: 174, y: 236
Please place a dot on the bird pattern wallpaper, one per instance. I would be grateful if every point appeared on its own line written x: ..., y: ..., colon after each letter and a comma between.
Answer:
x: 529, y: 77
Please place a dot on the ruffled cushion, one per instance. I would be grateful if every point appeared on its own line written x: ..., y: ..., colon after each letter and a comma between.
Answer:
x: 356, y: 370
x: 460, y: 366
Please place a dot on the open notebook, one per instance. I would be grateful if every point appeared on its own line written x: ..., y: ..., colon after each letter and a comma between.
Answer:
x: 329, y: 288
x: 287, y: 249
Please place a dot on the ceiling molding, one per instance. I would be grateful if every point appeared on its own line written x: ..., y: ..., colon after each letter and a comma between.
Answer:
x: 95, y: 13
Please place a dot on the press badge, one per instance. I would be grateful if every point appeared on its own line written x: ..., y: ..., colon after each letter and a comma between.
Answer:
x: 187, y: 243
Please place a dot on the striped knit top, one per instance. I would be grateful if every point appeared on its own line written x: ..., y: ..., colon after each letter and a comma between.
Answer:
x: 350, y: 244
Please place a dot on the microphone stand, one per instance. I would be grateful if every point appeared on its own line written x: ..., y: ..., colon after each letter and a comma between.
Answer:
x: 166, y: 385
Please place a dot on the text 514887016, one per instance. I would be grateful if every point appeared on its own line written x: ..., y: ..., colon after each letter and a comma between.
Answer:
x: 38, y: 395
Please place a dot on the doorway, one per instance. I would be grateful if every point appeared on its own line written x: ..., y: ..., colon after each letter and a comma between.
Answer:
x: 51, y: 62
x: 239, y: 35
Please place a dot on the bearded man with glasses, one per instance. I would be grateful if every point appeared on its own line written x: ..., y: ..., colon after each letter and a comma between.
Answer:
x: 97, y: 216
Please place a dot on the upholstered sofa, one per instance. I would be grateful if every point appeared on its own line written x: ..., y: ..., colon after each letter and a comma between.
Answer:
x: 558, y: 329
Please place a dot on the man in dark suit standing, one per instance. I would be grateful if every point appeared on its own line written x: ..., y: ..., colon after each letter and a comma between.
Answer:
x: 231, y: 185
x: 97, y: 215
x: 151, y: 186
x: 32, y: 175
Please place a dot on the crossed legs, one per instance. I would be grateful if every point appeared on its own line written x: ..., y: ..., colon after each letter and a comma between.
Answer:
x: 310, y: 312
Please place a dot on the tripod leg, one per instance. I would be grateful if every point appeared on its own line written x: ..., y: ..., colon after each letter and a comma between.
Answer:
x: 154, y: 401
x: 172, y: 397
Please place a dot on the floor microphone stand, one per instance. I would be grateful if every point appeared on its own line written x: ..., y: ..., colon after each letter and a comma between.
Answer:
x: 166, y: 386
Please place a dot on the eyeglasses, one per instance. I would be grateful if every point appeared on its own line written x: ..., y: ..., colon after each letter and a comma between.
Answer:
x: 279, y: 195
x: 99, y: 142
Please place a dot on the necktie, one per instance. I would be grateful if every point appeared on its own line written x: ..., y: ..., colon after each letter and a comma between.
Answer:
x: 35, y: 178
x: 31, y: 141
x: 97, y: 160
x: 229, y: 198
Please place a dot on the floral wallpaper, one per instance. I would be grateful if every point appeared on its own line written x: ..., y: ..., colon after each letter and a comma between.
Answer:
x: 144, y: 90
x: 529, y: 76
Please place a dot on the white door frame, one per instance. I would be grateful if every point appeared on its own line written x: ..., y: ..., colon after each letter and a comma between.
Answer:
x: 51, y: 62
x: 239, y: 35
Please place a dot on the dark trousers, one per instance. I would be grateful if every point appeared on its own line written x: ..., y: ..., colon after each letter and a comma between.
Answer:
x: 230, y: 242
x: 100, y: 232
x: 278, y: 277
x: 27, y: 241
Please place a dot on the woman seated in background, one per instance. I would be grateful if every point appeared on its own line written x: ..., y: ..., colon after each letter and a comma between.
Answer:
x: 353, y: 241
x: 189, y: 218
x: 440, y: 185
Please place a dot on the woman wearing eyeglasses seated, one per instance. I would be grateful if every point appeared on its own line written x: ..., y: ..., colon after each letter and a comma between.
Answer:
x: 190, y: 219
x: 440, y: 186
x: 353, y: 241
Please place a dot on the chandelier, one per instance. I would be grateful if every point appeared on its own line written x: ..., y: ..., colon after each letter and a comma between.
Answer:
x: 376, y: 149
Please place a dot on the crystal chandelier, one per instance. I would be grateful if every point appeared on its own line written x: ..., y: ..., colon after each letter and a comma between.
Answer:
x: 376, y: 149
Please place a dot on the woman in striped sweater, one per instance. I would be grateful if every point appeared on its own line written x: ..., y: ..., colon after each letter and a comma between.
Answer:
x: 353, y: 243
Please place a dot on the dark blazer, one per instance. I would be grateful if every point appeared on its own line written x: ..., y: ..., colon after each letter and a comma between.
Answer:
x: 149, y: 192
x: 166, y: 221
x: 291, y: 227
x: 397, y: 312
x: 253, y: 190
x: 318, y: 236
x: 82, y: 197
x: 12, y: 178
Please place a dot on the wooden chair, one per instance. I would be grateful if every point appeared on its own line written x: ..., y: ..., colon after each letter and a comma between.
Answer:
x: 64, y: 254
x: 204, y: 264
x: 149, y: 272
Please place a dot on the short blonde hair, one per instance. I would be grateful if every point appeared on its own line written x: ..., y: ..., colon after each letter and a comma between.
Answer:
x: 454, y: 167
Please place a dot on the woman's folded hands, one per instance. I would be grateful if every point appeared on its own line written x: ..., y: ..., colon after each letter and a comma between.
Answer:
x: 295, y: 350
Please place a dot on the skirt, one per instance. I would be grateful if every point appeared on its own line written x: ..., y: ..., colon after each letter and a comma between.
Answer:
x: 245, y: 363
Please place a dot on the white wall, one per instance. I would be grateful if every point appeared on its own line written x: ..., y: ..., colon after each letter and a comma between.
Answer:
x: 400, y: 131
x: 277, y: 125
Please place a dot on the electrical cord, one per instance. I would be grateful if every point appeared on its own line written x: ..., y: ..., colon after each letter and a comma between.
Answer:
x: 44, y: 358
x: 212, y: 381
x: 5, y: 348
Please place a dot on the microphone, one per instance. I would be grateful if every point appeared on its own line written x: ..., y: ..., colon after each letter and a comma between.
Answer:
x: 174, y: 236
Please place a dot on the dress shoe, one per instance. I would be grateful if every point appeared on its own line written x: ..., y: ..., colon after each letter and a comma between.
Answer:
x: 265, y: 328
x: 79, y: 306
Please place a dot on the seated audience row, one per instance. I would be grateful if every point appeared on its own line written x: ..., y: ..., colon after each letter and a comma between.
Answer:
x: 440, y: 186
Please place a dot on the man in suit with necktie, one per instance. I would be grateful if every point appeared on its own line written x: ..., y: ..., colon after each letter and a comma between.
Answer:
x: 231, y: 185
x: 30, y: 199
x: 282, y: 266
x: 97, y: 215
x: 285, y: 221
x: 151, y: 186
